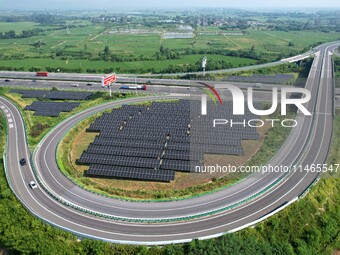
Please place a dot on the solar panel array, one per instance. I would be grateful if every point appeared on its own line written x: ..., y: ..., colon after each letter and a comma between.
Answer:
x: 153, y: 142
x: 51, y: 109
x: 275, y: 79
x: 54, y: 95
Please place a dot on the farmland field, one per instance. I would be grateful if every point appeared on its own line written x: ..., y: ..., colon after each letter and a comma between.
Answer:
x: 17, y: 26
x: 81, y: 47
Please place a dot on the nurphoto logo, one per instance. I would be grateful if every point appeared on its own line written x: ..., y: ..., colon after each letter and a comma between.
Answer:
x: 239, y: 100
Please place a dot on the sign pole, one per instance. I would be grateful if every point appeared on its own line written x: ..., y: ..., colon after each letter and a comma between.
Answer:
x: 108, y: 81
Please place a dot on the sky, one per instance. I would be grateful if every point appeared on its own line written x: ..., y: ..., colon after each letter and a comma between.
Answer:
x: 146, y: 4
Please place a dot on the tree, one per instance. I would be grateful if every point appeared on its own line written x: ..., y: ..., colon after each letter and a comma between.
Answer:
x: 106, y: 49
x: 38, y: 44
x: 10, y: 34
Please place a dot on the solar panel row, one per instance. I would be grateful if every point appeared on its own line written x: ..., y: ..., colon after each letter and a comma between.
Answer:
x: 131, y: 173
x: 177, y: 165
x: 124, y: 151
x: 163, y: 136
x: 104, y: 141
x: 55, y: 95
x: 51, y: 109
x: 114, y: 160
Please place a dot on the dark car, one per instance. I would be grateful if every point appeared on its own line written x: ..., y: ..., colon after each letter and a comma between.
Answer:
x: 89, y: 84
x: 23, y: 162
x: 7, y: 80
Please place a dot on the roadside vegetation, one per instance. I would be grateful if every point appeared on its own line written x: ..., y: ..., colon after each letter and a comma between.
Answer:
x: 300, y: 70
x: 337, y: 71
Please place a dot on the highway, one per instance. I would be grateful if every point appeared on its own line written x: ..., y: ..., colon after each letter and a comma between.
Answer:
x: 308, y: 143
x: 261, y: 93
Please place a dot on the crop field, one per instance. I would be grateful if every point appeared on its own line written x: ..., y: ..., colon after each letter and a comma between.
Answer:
x: 90, y: 39
x: 17, y: 26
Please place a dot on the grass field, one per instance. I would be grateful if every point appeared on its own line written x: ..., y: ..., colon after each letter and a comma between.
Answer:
x: 124, y: 66
x: 17, y: 26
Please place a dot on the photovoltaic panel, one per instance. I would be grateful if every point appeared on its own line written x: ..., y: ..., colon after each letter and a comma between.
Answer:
x: 54, y: 95
x: 51, y: 109
x: 146, y: 142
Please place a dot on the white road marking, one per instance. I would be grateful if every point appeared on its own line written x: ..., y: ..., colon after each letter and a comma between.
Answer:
x: 179, y: 94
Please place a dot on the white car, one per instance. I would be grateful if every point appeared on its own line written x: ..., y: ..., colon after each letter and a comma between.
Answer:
x: 33, y: 185
x: 74, y: 85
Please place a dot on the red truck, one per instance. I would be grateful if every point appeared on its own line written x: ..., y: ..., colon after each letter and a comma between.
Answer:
x: 41, y: 74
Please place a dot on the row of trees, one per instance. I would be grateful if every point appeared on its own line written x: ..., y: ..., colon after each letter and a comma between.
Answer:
x: 162, y: 54
x: 33, y: 32
x: 42, y: 18
x: 213, y: 65
x: 24, y: 34
x: 323, y: 25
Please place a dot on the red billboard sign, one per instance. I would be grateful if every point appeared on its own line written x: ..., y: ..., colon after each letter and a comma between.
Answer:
x: 109, y: 79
